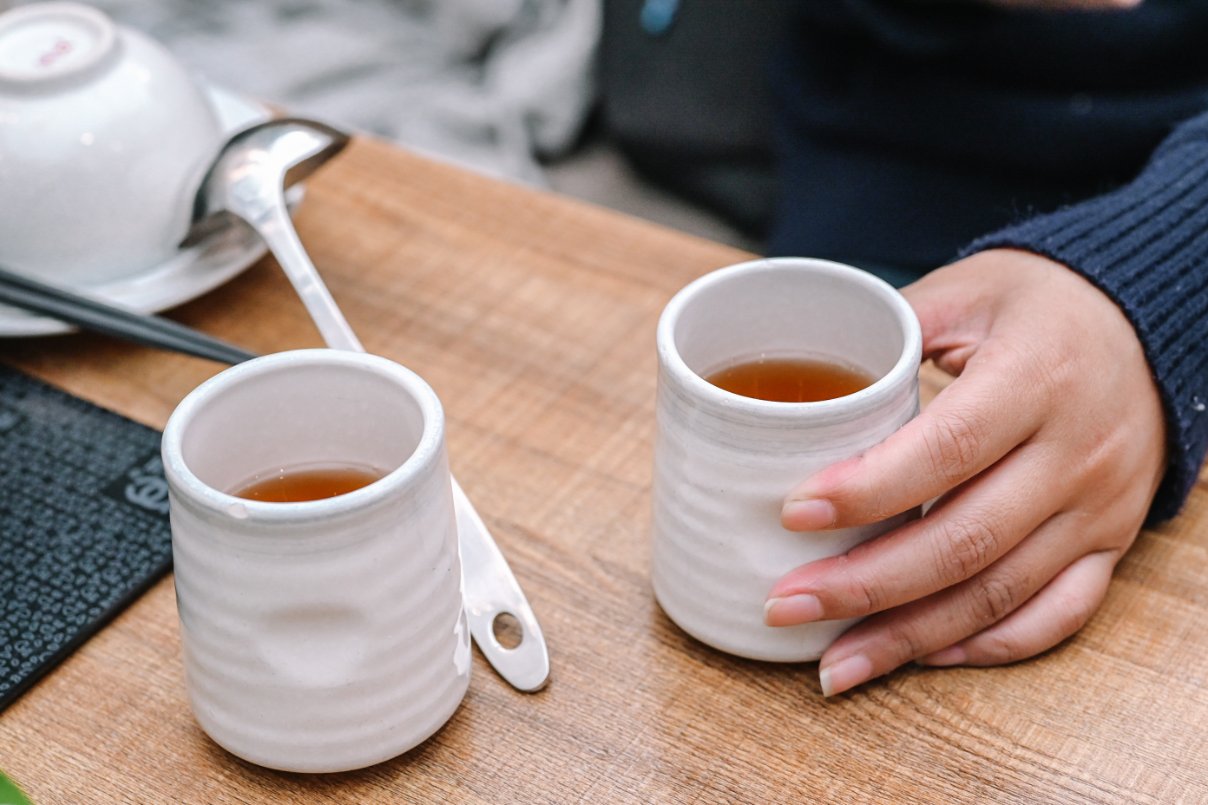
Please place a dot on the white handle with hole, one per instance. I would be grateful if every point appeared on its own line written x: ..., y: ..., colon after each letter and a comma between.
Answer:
x: 490, y: 591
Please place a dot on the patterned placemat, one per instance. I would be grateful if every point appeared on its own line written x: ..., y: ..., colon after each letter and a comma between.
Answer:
x: 83, y: 523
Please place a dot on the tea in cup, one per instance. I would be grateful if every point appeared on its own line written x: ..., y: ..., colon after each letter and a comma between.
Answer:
x: 325, y: 633
x: 104, y: 139
x: 768, y: 372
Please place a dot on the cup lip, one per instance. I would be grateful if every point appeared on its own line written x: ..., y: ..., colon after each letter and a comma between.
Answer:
x: 904, y: 370
x: 105, y: 50
x: 427, y: 450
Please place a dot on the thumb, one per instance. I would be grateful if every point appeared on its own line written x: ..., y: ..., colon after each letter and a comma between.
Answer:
x: 954, y: 316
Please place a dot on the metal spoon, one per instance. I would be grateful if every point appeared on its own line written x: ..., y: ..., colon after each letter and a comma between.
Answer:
x: 247, y: 181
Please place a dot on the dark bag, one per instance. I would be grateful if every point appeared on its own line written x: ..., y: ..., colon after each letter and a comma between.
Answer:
x: 685, y: 96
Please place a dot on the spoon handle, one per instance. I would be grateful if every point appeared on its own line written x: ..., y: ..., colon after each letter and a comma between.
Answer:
x: 490, y: 591
x: 277, y: 230
x: 490, y: 588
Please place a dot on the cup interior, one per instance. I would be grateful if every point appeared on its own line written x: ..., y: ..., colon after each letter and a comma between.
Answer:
x: 301, y: 413
x: 789, y: 309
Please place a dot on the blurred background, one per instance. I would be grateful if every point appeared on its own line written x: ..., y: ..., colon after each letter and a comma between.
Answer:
x: 906, y: 129
x: 612, y: 101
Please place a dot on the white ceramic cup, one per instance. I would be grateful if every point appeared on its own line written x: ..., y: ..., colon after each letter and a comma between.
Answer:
x: 104, y: 139
x: 724, y: 462
x: 324, y: 635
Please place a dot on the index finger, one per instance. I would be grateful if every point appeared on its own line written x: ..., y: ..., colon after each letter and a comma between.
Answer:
x: 972, y: 424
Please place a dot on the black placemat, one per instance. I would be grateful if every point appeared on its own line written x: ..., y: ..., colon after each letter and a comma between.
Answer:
x: 83, y: 523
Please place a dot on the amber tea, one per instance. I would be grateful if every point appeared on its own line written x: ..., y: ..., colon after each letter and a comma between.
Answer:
x: 791, y: 379
x: 311, y: 482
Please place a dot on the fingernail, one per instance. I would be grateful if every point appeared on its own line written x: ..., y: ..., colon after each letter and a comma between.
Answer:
x: 808, y: 515
x: 792, y: 610
x: 844, y: 674
x: 953, y: 655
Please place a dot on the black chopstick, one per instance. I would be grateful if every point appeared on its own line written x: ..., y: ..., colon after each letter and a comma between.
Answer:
x: 142, y: 328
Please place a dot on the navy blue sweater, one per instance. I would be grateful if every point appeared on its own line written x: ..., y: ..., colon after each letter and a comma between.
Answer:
x: 1146, y: 246
x: 909, y: 129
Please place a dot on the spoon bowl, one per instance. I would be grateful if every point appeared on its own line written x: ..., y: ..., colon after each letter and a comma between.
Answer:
x: 247, y: 181
x: 256, y: 165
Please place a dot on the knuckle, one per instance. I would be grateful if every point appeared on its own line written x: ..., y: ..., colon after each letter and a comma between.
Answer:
x: 1044, y: 366
x: 864, y: 595
x: 902, y: 643
x: 954, y: 444
x: 1047, y: 368
x: 994, y: 598
x: 965, y: 548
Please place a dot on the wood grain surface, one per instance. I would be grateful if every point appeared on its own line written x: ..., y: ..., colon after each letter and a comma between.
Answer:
x: 533, y: 317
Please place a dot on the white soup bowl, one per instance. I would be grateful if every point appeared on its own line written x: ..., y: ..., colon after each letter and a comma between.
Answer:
x: 104, y: 139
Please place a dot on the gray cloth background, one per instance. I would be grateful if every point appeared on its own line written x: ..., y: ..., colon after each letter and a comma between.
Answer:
x: 489, y: 84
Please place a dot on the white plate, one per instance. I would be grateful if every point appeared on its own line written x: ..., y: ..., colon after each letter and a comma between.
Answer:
x: 191, y: 272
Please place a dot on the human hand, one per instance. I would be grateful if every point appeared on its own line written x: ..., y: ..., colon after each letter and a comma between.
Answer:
x: 1045, y: 453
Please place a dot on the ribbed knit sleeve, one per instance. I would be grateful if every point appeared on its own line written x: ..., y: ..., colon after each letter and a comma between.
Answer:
x: 1146, y: 246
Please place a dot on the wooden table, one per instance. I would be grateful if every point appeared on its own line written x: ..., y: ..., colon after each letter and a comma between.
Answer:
x: 533, y: 317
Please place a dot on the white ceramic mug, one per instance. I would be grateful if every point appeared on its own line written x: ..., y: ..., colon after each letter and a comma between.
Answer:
x: 104, y: 139
x: 329, y: 634
x: 724, y: 462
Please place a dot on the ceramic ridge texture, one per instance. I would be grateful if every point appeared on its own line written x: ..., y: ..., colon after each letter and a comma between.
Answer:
x: 326, y: 635
x: 723, y: 462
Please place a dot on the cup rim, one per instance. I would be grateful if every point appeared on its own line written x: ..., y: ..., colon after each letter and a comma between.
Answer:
x: 904, y: 370
x: 199, y: 493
